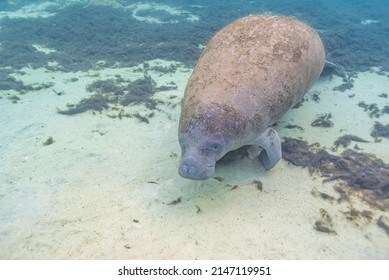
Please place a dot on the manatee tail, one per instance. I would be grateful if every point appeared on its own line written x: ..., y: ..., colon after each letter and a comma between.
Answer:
x: 329, y: 64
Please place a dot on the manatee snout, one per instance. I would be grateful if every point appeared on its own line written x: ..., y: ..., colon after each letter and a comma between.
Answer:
x: 199, y: 154
x: 192, y: 168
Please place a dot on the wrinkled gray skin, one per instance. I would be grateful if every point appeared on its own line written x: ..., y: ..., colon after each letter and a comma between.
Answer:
x: 249, y: 75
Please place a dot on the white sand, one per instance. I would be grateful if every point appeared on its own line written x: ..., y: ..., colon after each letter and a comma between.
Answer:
x: 153, y: 7
x: 33, y: 10
x: 91, y: 193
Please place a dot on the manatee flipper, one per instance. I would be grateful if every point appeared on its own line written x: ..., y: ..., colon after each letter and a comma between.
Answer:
x: 271, y: 144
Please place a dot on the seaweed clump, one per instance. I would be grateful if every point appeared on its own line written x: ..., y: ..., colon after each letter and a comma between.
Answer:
x: 292, y: 126
x: 380, y: 130
x: 96, y: 102
x: 14, y: 98
x: 115, y: 92
x: 105, y: 86
x: 372, y: 109
x: 323, y: 121
x: 140, y: 91
x: 383, y: 222
x: 8, y: 82
x: 348, y: 83
x: 345, y: 140
x: 324, y: 224
x: 362, y: 172
x: 359, y: 217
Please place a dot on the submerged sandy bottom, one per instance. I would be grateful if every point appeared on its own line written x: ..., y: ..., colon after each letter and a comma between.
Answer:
x: 104, y: 189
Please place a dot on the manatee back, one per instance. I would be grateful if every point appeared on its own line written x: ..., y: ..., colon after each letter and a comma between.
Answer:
x: 258, y: 66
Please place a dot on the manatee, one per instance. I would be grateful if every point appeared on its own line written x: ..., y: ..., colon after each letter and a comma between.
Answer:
x: 250, y: 73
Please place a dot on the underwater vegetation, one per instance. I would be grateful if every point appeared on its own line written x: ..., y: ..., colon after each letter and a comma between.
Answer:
x: 95, y: 102
x: 13, y: 98
x: 347, y: 79
x: 380, y: 130
x: 354, y: 171
x: 117, y: 37
x: 8, y: 82
x: 362, y: 172
x: 323, y: 121
x: 324, y: 224
x: 120, y: 39
x: 293, y: 126
x: 117, y: 92
x: 383, y: 222
x: 345, y: 140
x: 373, y: 110
x: 140, y: 91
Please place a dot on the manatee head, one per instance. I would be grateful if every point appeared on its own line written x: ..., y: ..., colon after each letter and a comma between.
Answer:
x: 205, y: 137
x: 199, y: 153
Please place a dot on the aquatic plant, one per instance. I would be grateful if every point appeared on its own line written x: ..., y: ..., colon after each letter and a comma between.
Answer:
x: 361, y: 171
x: 95, y: 102
x: 323, y: 121
x: 117, y: 92
x: 345, y: 140
x: 140, y: 91
x: 8, y: 82
x: 380, y: 130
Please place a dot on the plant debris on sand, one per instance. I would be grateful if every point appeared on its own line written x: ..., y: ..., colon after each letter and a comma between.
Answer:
x: 363, y: 172
x: 95, y: 103
x: 380, y: 130
x: 115, y: 92
x: 345, y: 140
x: 323, y: 121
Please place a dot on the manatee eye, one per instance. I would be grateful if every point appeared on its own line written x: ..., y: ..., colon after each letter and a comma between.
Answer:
x: 215, y: 147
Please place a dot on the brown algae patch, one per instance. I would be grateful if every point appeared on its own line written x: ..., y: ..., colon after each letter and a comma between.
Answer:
x: 363, y: 173
x: 323, y: 121
x: 346, y: 140
x: 380, y: 130
x: 383, y: 222
x: 118, y: 93
x: 359, y: 217
x: 324, y: 223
